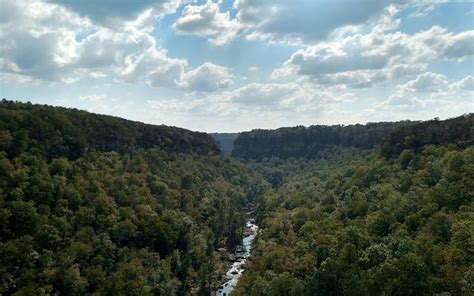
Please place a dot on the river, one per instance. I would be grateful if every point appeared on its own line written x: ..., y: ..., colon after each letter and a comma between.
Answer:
x: 235, y: 271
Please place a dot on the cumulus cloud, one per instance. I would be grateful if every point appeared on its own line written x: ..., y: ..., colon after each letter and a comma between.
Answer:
x: 207, y: 21
x: 426, y: 82
x: 153, y: 65
x: 305, y: 21
x: 466, y: 84
x: 48, y: 42
x: 430, y: 89
x: 161, y: 71
x: 460, y: 46
x: 363, y: 60
x: 208, y: 77
x: 298, y: 21
x: 38, y: 39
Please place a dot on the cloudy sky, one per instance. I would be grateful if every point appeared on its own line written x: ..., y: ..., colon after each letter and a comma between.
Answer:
x: 242, y: 64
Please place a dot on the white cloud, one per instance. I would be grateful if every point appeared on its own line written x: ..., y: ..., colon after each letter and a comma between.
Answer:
x: 466, y: 84
x: 207, y: 21
x: 363, y: 60
x: 297, y: 21
x: 47, y: 42
x: 430, y: 90
x: 426, y: 82
x: 38, y: 40
x: 305, y: 21
x: 266, y: 95
x: 161, y: 71
x: 208, y: 77
x: 424, y: 9
x: 460, y: 46
x: 153, y: 65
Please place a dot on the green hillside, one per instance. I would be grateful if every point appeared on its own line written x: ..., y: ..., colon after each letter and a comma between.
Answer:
x: 92, y: 204
x: 397, y: 219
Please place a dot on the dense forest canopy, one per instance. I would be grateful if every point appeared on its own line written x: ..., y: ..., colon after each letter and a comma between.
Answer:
x: 393, y: 220
x: 92, y: 204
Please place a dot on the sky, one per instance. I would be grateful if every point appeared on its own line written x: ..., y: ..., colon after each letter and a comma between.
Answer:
x: 236, y: 65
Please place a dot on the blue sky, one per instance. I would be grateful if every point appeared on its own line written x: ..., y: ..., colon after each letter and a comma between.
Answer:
x: 237, y: 65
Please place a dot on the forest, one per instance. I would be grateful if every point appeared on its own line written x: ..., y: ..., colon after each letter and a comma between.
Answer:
x: 97, y: 205
x: 397, y: 219
x: 393, y: 137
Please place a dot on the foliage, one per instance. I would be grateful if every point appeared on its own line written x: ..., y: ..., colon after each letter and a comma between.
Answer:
x: 92, y: 204
x: 355, y: 223
x: 60, y: 132
x: 307, y: 142
x: 458, y: 131
x: 393, y: 137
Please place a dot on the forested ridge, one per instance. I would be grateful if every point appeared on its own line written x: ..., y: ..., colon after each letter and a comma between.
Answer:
x: 92, y: 204
x: 98, y: 205
x: 397, y: 219
x: 63, y: 132
x: 307, y: 142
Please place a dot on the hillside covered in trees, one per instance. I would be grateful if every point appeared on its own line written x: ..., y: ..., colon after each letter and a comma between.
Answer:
x: 92, y: 204
x: 396, y: 219
x: 307, y: 142
x: 63, y: 132
x: 394, y: 137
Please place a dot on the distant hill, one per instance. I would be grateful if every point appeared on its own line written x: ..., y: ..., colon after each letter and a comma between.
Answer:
x: 57, y: 131
x: 458, y: 131
x: 225, y: 141
x: 306, y: 142
x: 303, y: 141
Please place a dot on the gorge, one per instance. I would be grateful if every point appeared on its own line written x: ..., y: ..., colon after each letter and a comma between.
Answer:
x: 94, y: 204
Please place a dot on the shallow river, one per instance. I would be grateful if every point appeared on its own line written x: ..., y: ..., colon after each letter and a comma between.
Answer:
x: 235, y: 272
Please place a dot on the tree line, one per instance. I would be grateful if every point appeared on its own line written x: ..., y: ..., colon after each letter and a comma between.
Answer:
x: 393, y: 137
